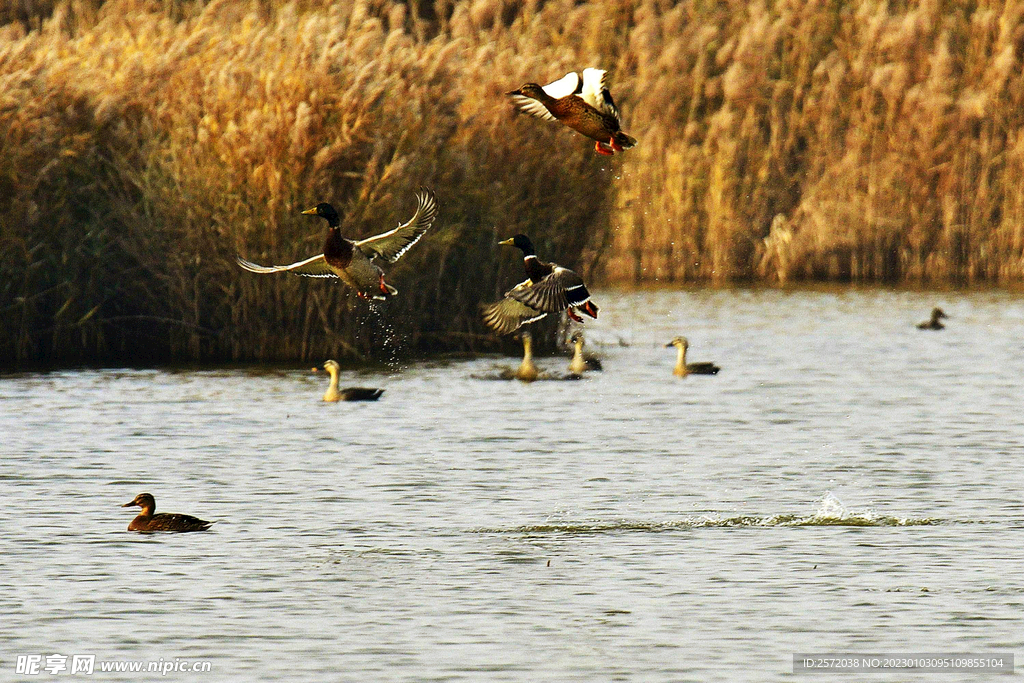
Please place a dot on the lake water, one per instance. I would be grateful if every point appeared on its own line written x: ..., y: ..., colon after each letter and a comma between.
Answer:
x: 847, y: 483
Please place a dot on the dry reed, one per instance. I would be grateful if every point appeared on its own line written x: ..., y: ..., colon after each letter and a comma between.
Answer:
x: 143, y: 144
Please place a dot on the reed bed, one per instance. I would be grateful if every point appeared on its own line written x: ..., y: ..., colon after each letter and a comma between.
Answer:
x: 144, y: 144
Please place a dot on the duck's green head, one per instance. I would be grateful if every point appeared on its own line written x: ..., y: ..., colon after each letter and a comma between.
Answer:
x: 531, y: 90
x: 522, y: 242
x: 143, y: 500
x: 325, y: 211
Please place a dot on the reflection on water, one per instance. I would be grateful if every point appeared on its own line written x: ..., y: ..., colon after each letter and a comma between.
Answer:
x: 846, y: 483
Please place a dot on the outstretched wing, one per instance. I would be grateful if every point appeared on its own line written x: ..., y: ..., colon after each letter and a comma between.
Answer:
x: 311, y: 267
x: 558, y: 291
x: 508, y: 315
x: 564, y: 86
x: 391, y: 245
x: 595, y: 92
x: 533, y: 107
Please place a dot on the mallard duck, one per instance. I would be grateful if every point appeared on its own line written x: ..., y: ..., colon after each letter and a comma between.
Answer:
x: 349, y: 394
x: 146, y: 521
x: 683, y: 368
x: 527, y: 371
x: 549, y: 289
x: 583, y: 104
x: 933, y: 323
x: 352, y: 261
x: 579, y: 363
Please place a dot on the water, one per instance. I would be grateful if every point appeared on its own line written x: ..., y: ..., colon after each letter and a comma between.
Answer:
x: 847, y: 483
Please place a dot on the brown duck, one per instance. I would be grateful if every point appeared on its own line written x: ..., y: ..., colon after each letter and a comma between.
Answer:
x: 935, y: 322
x: 165, y: 521
x: 352, y: 261
x: 550, y: 288
x: 581, y: 103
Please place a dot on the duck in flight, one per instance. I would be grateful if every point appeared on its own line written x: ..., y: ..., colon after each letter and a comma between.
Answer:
x: 549, y: 288
x: 146, y: 521
x: 682, y: 368
x: 934, y: 323
x: 353, y: 260
x: 581, y: 103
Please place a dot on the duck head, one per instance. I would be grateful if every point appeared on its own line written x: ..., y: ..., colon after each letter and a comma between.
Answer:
x: 938, y: 313
x: 325, y: 211
x: 522, y: 242
x: 144, y: 501
x: 531, y: 90
x: 679, y: 342
x: 577, y: 339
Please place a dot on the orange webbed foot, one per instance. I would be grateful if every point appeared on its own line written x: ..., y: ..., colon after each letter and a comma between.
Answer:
x: 600, y: 149
x: 616, y: 147
x: 572, y: 314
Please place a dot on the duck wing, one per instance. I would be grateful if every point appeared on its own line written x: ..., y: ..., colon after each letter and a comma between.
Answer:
x: 702, y: 368
x: 595, y: 92
x: 556, y: 292
x: 311, y: 267
x: 508, y: 315
x: 390, y: 245
x: 564, y: 86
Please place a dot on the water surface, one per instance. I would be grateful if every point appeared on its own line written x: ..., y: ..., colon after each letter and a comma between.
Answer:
x: 846, y: 483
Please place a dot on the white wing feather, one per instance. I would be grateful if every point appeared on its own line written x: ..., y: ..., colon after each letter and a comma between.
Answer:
x: 311, y: 267
x: 595, y: 92
x: 564, y: 86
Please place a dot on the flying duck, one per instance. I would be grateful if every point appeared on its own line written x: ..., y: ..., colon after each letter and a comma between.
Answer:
x: 933, y: 323
x: 146, y: 521
x: 580, y: 363
x: 550, y: 288
x: 352, y: 261
x: 581, y: 103
x: 349, y: 394
x: 683, y: 368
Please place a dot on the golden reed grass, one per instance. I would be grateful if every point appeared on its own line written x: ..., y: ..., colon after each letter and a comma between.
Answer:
x: 143, y: 144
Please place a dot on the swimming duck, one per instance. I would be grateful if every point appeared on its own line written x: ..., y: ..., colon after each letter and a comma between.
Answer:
x: 146, y: 521
x: 352, y: 261
x: 683, y: 368
x: 527, y: 371
x: 349, y: 394
x: 583, y: 104
x: 933, y: 323
x: 579, y: 363
x: 549, y: 289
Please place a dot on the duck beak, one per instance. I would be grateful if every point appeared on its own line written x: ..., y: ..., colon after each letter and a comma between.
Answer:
x: 310, y: 212
x: 669, y: 344
x: 510, y: 242
x: 517, y: 91
x: 131, y: 504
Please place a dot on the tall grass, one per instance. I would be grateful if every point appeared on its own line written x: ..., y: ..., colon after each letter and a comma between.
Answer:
x: 143, y: 144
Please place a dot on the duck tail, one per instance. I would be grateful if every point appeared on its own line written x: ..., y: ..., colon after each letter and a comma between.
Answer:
x: 624, y: 141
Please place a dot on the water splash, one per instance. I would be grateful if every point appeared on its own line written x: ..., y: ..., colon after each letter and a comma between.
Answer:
x: 387, y: 334
x: 830, y: 512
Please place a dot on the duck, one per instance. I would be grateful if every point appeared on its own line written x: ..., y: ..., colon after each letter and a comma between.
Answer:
x: 580, y: 363
x: 147, y: 522
x: 348, y: 394
x: 353, y: 260
x: 549, y: 288
x: 527, y: 371
x: 933, y: 323
x: 683, y: 368
x: 582, y: 103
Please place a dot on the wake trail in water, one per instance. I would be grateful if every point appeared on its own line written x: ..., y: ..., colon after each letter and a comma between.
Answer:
x: 831, y: 512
